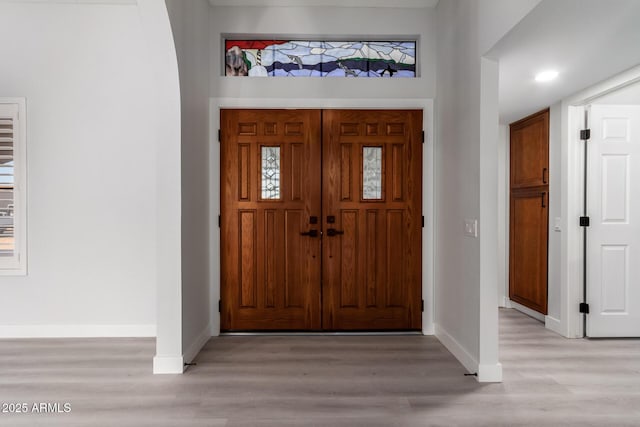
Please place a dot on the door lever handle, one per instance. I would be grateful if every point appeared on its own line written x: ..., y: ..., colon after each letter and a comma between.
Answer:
x: 544, y: 175
x: 310, y: 233
x: 333, y: 232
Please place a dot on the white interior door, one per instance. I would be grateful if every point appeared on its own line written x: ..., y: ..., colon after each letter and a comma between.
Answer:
x: 613, y: 274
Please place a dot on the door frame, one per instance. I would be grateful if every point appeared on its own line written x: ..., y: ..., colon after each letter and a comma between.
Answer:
x: 572, y: 174
x: 428, y: 183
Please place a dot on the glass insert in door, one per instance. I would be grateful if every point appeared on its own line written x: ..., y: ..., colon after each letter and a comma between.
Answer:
x: 371, y: 173
x: 270, y: 172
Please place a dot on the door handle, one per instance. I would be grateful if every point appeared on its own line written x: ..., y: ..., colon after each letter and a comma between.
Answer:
x: 310, y: 233
x: 544, y: 175
x: 333, y: 232
x: 542, y: 199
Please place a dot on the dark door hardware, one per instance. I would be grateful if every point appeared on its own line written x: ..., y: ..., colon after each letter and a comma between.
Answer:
x: 542, y: 196
x: 310, y: 233
x: 544, y: 175
x: 584, y: 308
x: 333, y: 232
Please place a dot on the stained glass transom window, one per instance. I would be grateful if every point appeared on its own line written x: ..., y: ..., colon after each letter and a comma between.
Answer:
x: 305, y: 58
x: 371, y: 173
x: 270, y: 172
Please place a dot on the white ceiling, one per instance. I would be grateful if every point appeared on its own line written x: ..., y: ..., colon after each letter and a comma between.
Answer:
x: 587, y: 41
x: 328, y: 3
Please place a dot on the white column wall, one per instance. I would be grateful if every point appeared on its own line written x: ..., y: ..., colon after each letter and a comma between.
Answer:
x: 190, y: 26
x: 467, y: 179
x: 163, y: 60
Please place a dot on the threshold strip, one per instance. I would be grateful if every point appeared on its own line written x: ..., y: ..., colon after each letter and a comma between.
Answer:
x: 320, y: 334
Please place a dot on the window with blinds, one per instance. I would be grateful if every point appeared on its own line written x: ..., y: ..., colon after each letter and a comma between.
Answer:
x: 12, y: 178
x: 7, y: 180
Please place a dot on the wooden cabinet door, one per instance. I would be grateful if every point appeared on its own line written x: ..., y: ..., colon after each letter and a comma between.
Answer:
x: 270, y: 181
x: 528, y: 248
x: 530, y: 151
x: 372, y: 198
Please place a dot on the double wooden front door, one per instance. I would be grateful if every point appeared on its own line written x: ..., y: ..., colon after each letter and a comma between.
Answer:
x: 321, y: 220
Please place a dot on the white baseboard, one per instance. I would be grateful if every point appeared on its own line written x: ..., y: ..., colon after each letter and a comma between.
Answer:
x: 486, y: 373
x: 77, y: 331
x: 503, y: 302
x: 460, y: 353
x: 195, y: 347
x: 168, y: 365
x: 553, y: 324
x: 215, y: 324
x: 526, y: 310
x: 427, y: 325
x: 490, y: 373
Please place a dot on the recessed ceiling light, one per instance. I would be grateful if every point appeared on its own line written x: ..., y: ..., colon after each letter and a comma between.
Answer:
x: 546, y: 76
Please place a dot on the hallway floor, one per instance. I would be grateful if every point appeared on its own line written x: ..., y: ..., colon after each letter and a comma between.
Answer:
x: 326, y: 381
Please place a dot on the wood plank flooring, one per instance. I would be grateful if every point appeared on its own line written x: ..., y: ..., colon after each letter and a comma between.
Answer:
x: 326, y: 381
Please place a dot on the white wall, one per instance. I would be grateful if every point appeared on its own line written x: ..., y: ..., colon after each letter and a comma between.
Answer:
x: 190, y: 26
x: 321, y: 22
x: 458, y: 117
x: 91, y: 170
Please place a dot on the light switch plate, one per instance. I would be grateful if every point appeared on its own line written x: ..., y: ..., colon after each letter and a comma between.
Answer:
x: 556, y: 225
x: 471, y: 227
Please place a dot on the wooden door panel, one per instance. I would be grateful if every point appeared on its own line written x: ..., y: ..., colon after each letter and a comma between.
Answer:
x: 529, y: 143
x: 372, y: 269
x: 529, y: 154
x: 248, y: 259
x: 528, y: 249
x: 271, y: 181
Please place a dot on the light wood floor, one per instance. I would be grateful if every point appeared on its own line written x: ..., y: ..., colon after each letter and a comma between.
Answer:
x: 327, y: 381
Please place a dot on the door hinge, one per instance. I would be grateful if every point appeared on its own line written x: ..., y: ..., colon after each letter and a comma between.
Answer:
x: 422, y: 306
x: 423, y: 138
x: 584, y: 308
x: 219, y: 135
x: 219, y: 221
x: 585, y: 134
x: 219, y: 306
x: 422, y: 221
x: 584, y: 221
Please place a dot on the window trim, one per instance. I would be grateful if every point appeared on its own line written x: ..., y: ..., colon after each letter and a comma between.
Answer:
x: 17, y: 265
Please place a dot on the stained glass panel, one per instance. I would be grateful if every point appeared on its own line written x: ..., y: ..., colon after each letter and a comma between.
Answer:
x: 371, y: 173
x: 270, y: 172
x: 306, y: 58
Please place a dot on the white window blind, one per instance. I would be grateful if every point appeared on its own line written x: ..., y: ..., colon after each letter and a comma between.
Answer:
x: 7, y: 178
x: 12, y: 177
